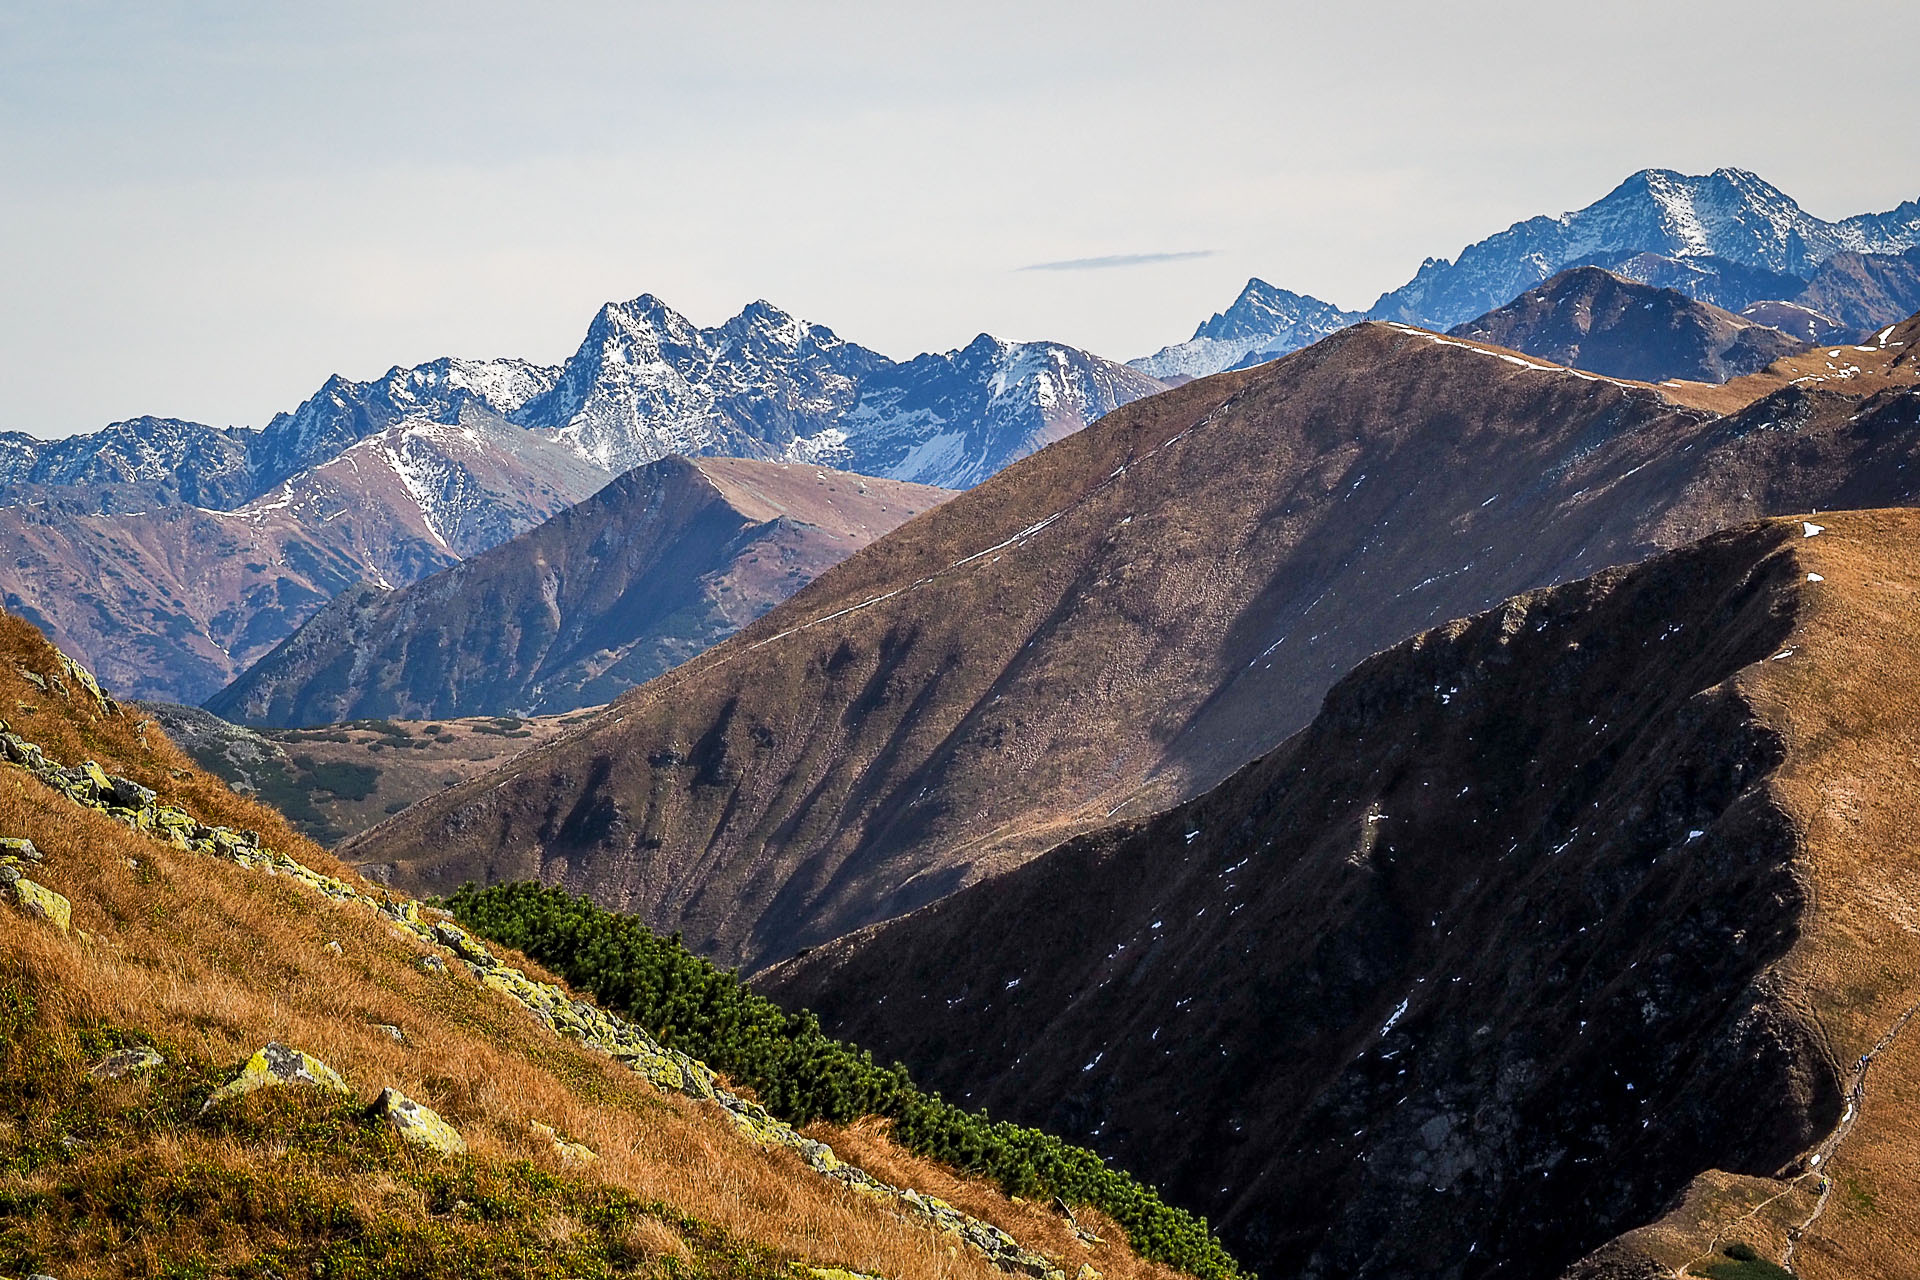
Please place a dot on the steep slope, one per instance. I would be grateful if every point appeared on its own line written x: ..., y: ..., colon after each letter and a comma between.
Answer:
x: 1558, y: 912
x: 1588, y: 318
x: 1730, y: 214
x: 1120, y: 620
x: 647, y: 382
x: 663, y: 562
x: 1264, y: 323
x: 1865, y: 290
x: 343, y: 412
x: 222, y: 1055
x: 1719, y: 281
x: 172, y: 601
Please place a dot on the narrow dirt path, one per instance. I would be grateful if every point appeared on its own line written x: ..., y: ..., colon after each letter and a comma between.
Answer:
x: 1856, y: 1097
x: 1821, y: 1159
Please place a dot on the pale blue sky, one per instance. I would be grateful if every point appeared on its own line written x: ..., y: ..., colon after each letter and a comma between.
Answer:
x: 210, y: 207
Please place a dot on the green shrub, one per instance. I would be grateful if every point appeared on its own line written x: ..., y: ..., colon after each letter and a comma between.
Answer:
x: 801, y: 1074
x: 1745, y: 1263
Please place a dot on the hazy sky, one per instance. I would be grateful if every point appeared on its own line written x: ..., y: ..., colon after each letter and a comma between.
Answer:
x: 207, y: 208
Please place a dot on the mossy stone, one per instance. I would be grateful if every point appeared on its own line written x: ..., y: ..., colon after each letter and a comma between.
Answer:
x: 277, y: 1064
x: 419, y: 1124
x: 43, y: 903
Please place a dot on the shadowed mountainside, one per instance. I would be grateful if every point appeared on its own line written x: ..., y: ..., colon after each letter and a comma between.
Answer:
x: 1565, y: 921
x: 1121, y: 621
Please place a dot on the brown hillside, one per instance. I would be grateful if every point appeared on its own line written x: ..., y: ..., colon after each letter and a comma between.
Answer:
x: 203, y: 959
x: 663, y: 562
x: 1567, y: 922
x: 333, y: 781
x: 1116, y: 622
x: 1591, y: 319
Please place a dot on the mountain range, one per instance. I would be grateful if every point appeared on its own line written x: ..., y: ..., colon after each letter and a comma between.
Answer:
x: 172, y: 555
x: 1129, y: 616
x: 663, y: 562
x: 1728, y: 238
x: 170, y: 600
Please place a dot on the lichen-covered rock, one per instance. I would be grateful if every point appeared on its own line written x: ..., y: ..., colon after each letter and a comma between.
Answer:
x: 21, y: 848
x: 125, y: 1063
x: 1087, y: 1272
x: 805, y: 1272
x: 128, y: 794
x: 431, y: 964
x: 277, y: 1064
x: 570, y: 1152
x: 333, y: 947
x: 419, y: 1124
x: 391, y: 1030
x: 96, y: 778
x: 42, y: 903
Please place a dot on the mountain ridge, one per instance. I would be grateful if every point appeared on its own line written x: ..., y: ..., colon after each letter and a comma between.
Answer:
x: 660, y: 563
x: 1124, y: 617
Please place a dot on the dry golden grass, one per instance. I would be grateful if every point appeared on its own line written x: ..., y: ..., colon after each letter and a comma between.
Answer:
x: 208, y: 961
x: 1847, y: 702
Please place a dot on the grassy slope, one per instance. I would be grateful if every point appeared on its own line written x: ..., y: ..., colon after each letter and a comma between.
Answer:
x: 1847, y: 703
x: 206, y: 961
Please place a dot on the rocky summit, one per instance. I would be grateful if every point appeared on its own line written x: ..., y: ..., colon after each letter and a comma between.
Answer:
x: 1592, y: 319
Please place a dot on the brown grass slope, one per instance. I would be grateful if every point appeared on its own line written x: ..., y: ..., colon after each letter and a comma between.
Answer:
x: 1120, y: 620
x: 663, y: 562
x: 206, y: 961
x: 1591, y: 319
x: 1566, y: 919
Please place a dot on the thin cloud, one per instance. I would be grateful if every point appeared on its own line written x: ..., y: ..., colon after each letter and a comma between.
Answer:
x: 1119, y: 260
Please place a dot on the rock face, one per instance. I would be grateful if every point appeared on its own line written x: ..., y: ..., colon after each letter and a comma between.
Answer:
x: 166, y: 459
x: 955, y: 419
x: 344, y: 412
x: 1122, y: 620
x: 1728, y: 214
x: 1591, y: 319
x: 647, y: 383
x: 1473, y: 974
x: 1264, y: 323
x: 662, y: 563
